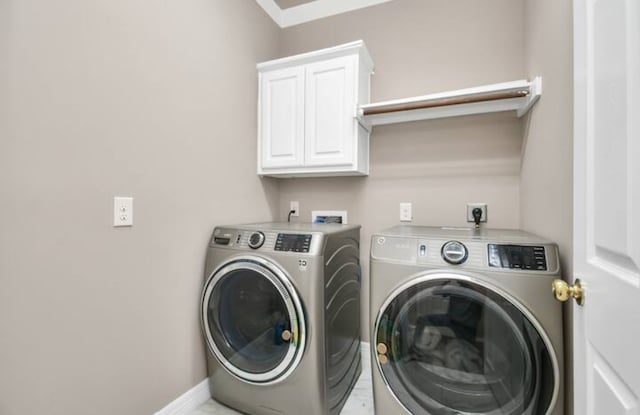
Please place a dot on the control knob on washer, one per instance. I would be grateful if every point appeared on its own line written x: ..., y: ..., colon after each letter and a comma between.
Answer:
x: 256, y: 240
x: 454, y: 252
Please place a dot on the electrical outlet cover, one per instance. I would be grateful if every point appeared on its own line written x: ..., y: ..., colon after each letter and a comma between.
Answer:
x: 482, y: 206
x: 406, y: 214
x: 122, y: 211
x: 294, y: 205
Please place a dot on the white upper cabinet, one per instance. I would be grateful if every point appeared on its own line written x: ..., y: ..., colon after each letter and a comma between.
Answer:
x: 282, y: 115
x: 308, y: 113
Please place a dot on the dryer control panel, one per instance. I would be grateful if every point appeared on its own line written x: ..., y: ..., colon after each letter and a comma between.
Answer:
x: 293, y: 242
x: 517, y: 257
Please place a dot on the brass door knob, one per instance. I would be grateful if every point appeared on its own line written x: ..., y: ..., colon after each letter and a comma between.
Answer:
x: 286, y: 335
x: 563, y: 291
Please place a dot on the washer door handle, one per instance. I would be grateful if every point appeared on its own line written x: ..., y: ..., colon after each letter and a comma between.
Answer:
x: 382, y: 350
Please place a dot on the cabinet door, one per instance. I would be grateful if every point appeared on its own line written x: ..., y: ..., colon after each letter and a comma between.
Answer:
x: 282, y: 118
x: 330, y: 103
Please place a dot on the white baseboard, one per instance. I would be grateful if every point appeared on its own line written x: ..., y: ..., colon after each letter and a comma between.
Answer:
x: 200, y: 393
x: 188, y: 401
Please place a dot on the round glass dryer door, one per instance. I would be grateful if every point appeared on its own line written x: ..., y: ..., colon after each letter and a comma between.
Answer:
x: 447, y: 345
x: 252, y: 320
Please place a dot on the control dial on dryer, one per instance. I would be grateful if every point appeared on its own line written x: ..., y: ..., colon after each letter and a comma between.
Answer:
x: 256, y: 240
x: 454, y: 252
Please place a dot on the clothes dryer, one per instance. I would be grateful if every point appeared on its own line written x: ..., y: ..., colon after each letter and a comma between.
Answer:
x: 463, y: 322
x: 281, y: 317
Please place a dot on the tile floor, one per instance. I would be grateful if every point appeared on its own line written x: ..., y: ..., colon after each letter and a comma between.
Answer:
x: 359, y: 403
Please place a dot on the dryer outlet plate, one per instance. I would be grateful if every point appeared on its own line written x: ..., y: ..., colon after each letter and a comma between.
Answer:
x: 471, y: 206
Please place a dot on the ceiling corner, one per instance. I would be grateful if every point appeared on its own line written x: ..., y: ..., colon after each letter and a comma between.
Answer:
x: 313, y: 10
x: 272, y: 9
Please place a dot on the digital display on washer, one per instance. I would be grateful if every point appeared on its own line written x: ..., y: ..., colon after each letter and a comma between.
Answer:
x: 293, y: 242
x: 517, y: 257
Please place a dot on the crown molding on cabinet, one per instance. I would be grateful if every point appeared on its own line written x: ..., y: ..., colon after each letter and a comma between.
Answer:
x: 314, y: 10
x: 356, y: 47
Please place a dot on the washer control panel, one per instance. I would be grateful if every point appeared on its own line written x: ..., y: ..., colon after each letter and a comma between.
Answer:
x: 256, y: 240
x: 454, y: 252
x: 517, y: 257
x: 293, y: 242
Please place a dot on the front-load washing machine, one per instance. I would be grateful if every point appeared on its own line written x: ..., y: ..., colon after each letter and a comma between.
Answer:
x: 280, y: 316
x: 463, y: 322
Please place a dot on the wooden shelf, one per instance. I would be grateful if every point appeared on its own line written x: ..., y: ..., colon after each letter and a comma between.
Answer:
x: 516, y: 96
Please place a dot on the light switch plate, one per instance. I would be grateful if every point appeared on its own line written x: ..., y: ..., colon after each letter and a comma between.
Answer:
x: 406, y: 214
x: 122, y: 211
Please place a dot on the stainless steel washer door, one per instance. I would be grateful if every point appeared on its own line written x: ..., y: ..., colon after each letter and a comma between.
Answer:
x: 253, y: 320
x: 447, y: 344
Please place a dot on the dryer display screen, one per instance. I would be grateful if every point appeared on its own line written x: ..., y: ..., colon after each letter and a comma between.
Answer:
x: 293, y: 242
x: 517, y: 257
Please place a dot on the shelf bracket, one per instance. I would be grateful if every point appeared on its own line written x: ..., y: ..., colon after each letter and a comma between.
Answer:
x: 362, y: 121
x: 535, y: 90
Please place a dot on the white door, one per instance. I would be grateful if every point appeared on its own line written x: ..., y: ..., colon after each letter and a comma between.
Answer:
x: 607, y: 206
x: 281, y: 138
x: 330, y: 109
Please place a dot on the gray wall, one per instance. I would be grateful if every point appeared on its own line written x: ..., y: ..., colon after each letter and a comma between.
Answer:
x: 547, y: 160
x: 423, y: 46
x: 547, y: 157
x: 155, y: 100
